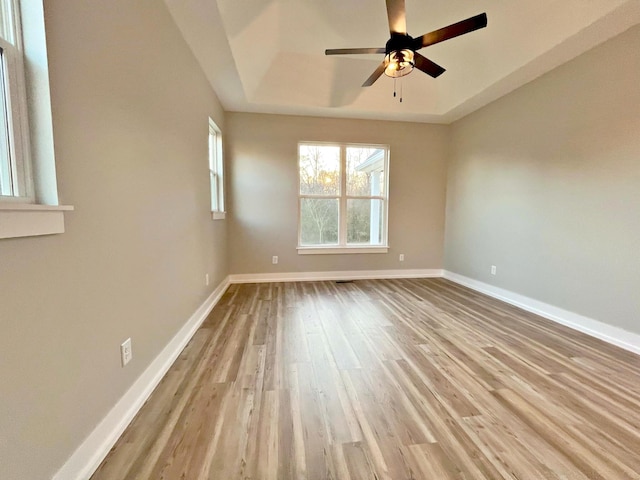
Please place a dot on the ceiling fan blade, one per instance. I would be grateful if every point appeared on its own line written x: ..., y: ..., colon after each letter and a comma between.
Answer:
x: 454, y: 30
x: 374, y: 76
x: 427, y: 66
x: 397, y: 16
x: 352, y: 51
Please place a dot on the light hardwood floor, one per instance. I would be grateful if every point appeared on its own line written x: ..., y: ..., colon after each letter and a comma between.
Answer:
x: 385, y: 379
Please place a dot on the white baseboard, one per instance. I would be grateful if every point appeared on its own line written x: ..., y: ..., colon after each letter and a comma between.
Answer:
x: 88, y: 456
x: 344, y: 275
x: 608, y: 333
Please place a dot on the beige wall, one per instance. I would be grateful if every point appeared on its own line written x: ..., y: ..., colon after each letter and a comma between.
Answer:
x: 262, y: 154
x: 542, y: 183
x: 545, y: 184
x: 130, y: 109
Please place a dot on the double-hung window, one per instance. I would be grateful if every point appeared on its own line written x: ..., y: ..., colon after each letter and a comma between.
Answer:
x: 28, y: 201
x: 216, y: 171
x: 15, y: 179
x: 343, y: 198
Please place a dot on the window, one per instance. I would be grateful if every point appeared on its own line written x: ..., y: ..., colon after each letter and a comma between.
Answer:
x: 342, y: 198
x: 15, y: 181
x: 28, y: 201
x: 216, y: 171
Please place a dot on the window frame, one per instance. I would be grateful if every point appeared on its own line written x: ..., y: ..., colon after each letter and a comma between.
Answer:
x: 343, y: 247
x: 216, y: 171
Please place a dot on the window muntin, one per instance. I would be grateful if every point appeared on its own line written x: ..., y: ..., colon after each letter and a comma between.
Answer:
x: 216, y: 171
x: 342, y: 195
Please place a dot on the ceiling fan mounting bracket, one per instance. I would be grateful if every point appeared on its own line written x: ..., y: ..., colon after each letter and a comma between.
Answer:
x: 399, y: 41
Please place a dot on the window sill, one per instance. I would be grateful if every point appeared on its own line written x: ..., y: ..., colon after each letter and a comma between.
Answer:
x: 28, y: 220
x: 218, y: 215
x: 341, y: 250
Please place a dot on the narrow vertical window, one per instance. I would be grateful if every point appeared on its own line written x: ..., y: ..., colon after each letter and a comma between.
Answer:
x: 15, y: 181
x: 216, y: 171
x: 29, y: 203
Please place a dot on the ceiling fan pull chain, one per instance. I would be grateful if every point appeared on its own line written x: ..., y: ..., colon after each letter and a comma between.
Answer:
x: 400, y: 89
x: 394, y: 88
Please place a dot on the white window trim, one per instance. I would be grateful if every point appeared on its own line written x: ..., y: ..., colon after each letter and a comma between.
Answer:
x: 36, y: 211
x: 333, y: 250
x: 29, y: 220
x: 216, y: 172
x: 343, y: 247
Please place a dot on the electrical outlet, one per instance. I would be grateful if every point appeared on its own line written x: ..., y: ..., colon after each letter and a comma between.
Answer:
x: 274, y: 259
x: 493, y: 269
x: 402, y: 257
x: 126, y: 353
x: 206, y: 279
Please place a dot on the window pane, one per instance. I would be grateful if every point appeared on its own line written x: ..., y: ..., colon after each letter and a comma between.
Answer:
x: 6, y: 187
x: 364, y: 221
x: 6, y: 22
x: 318, y: 221
x: 365, y: 171
x: 212, y: 150
x: 213, y: 178
x: 319, y: 170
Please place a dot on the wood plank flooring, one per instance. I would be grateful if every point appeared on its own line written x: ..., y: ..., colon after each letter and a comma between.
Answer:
x: 385, y: 379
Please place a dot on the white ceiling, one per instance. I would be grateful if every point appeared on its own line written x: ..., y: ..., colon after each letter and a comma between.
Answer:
x: 268, y: 55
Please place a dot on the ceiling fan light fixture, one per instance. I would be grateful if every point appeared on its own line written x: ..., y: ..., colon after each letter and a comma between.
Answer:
x: 399, y: 63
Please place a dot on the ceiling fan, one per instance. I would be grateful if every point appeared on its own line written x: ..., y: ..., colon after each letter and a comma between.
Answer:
x: 401, y: 54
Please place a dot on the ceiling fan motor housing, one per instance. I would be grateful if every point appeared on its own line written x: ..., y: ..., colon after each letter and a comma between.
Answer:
x: 399, y: 59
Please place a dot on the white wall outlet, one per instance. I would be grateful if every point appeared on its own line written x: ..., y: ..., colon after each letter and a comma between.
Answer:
x: 401, y: 258
x: 493, y: 269
x: 274, y: 259
x: 126, y: 354
x: 206, y: 279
